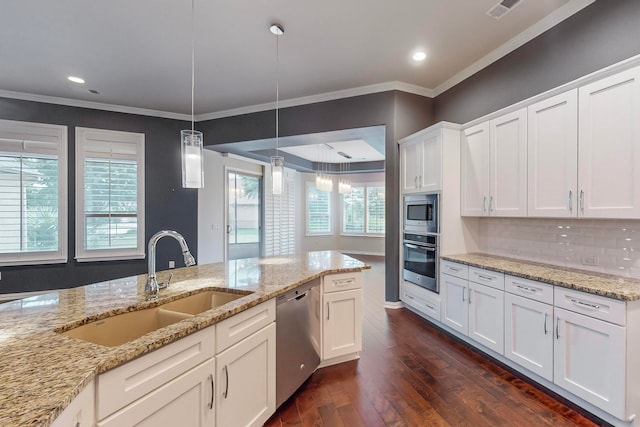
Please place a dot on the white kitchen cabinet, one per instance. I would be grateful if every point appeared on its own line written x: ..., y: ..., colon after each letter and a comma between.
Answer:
x: 341, y: 316
x: 455, y: 311
x: 421, y: 162
x: 486, y: 316
x: 528, y: 334
x: 609, y: 155
x: 187, y: 400
x: 553, y: 156
x: 590, y: 360
x: 420, y: 299
x: 245, y: 378
x: 494, y: 167
x: 81, y: 410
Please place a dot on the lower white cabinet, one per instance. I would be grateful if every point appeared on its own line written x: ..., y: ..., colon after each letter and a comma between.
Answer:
x: 486, y: 316
x: 342, y: 315
x: 187, y: 400
x: 528, y: 334
x: 590, y: 360
x: 455, y: 311
x: 420, y: 299
x: 245, y: 378
x: 81, y: 411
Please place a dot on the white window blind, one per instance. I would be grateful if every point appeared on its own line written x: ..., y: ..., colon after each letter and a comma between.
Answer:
x: 33, y: 193
x: 280, y: 215
x: 109, y: 195
x: 363, y: 210
x: 318, y: 210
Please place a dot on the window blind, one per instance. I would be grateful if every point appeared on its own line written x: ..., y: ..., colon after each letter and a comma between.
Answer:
x: 318, y: 210
x: 280, y: 224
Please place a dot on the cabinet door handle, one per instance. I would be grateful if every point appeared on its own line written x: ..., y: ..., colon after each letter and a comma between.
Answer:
x: 491, y: 204
x: 570, y: 201
x: 415, y: 181
x: 328, y: 311
x: 420, y: 181
x: 583, y: 304
x: 557, y: 328
x: 469, y: 298
x: 463, y: 289
x: 226, y: 389
x: 213, y: 392
x: 484, y: 204
x: 582, y: 201
x: 545, y: 323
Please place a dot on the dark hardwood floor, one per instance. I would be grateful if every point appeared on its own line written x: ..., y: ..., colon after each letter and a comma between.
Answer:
x: 412, y: 374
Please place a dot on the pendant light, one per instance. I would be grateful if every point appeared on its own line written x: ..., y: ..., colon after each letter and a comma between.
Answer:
x: 191, y: 139
x: 277, y: 161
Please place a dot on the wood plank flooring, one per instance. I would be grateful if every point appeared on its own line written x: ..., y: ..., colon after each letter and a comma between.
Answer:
x: 412, y: 374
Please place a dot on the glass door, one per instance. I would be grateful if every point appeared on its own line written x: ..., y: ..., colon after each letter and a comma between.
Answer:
x: 244, y: 215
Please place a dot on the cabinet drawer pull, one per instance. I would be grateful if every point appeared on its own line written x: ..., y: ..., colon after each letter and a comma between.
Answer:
x: 408, y: 296
x: 343, y: 282
x: 486, y: 277
x: 457, y: 270
x: 526, y: 289
x: 583, y: 304
x: 545, y: 323
x: 431, y: 307
x: 213, y: 392
x: 226, y: 389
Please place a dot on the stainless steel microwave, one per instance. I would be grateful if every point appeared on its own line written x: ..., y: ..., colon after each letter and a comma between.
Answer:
x: 421, y: 213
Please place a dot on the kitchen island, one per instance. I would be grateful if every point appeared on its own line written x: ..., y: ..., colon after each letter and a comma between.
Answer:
x: 43, y: 370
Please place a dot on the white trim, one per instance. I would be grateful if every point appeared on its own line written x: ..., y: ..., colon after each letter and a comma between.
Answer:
x: 435, y: 127
x: 322, y: 97
x: 244, y: 159
x: 546, y: 23
x: 394, y: 305
x: 93, y: 105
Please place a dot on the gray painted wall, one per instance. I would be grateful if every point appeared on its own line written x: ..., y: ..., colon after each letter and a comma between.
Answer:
x: 602, y: 34
x: 168, y: 205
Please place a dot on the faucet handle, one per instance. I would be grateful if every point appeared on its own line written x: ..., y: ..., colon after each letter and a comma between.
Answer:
x: 168, y: 282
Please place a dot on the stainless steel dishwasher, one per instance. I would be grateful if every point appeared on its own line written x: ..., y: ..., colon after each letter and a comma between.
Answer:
x: 297, y: 338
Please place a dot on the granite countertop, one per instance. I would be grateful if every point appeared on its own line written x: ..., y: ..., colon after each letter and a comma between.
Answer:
x: 42, y: 370
x: 621, y: 288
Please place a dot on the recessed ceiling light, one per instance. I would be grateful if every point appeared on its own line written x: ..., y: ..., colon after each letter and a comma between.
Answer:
x: 276, y: 29
x: 419, y: 56
x: 76, y: 79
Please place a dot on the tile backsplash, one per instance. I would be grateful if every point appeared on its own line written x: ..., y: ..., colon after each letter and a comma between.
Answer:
x: 606, y: 246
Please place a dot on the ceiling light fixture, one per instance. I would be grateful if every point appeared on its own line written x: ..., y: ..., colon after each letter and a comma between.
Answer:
x: 277, y: 161
x: 419, y: 56
x: 324, y: 181
x: 76, y: 79
x: 191, y: 139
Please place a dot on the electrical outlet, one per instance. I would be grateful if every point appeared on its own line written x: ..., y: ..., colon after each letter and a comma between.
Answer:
x: 172, y: 264
x: 591, y: 260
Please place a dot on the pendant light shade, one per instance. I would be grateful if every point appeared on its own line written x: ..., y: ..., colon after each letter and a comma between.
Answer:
x: 277, y: 174
x: 192, y: 159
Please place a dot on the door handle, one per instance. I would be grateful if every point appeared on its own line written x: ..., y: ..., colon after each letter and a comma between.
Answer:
x: 228, y: 229
x: 226, y: 389
x: 484, y: 204
x: 570, y: 201
x: 490, y: 204
x: 210, y: 405
x: 582, y: 201
x: 557, y: 328
x: 545, y: 323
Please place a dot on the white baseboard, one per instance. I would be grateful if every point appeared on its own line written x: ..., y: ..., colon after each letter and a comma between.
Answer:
x: 394, y: 305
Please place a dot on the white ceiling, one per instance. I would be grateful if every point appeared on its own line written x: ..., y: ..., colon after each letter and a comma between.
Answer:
x: 137, y: 53
x: 358, y: 151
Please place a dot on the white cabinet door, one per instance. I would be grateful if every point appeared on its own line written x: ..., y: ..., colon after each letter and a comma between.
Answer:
x: 430, y: 177
x: 246, y: 378
x: 486, y: 316
x: 81, y: 410
x: 455, y: 312
x: 508, y: 165
x: 410, y: 165
x: 528, y: 334
x: 589, y: 360
x: 186, y: 401
x: 609, y: 155
x: 553, y: 156
x: 342, y: 323
x: 474, y: 190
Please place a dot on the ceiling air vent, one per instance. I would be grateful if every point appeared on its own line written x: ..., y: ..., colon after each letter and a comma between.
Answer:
x: 501, y: 8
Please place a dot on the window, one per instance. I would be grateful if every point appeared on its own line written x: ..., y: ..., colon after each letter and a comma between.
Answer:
x: 363, y: 210
x: 109, y: 195
x: 33, y: 193
x: 318, y: 210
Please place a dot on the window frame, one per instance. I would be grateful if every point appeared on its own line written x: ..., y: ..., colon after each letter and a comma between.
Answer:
x: 309, y: 233
x: 13, y: 136
x: 109, y: 137
x: 366, y: 186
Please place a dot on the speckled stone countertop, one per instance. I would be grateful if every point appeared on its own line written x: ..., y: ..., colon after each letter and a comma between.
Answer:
x: 42, y: 370
x: 622, y: 288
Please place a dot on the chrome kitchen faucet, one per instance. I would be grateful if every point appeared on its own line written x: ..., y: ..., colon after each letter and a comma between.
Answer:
x: 152, y: 287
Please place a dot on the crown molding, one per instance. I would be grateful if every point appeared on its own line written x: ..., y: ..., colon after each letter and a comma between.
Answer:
x: 322, y: 97
x: 93, y: 105
x: 546, y: 23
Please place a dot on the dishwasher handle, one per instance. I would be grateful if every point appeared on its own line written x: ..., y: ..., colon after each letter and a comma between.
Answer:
x: 298, y: 297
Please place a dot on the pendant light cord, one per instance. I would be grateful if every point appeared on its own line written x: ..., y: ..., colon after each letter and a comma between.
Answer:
x: 193, y: 61
x: 277, y: 91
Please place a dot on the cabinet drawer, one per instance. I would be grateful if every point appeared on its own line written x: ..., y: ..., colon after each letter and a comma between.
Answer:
x: 420, y: 299
x: 342, y: 281
x: 243, y: 324
x: 454, y: 269
x: 596, y: 306
x: 486, y: 277
x: 531, y: 289
x: 124, y: 384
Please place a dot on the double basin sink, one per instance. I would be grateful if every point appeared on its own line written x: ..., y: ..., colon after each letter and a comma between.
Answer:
x: 123, y: 328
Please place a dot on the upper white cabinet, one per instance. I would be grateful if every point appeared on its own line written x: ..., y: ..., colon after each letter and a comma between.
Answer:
x: 553, y: 156
x: 494, y: 167
x: 609, y: 154
x: 420, y: 162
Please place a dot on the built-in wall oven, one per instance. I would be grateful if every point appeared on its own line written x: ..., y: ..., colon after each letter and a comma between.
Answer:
x: 420, y: 260
x: 421, y: 213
